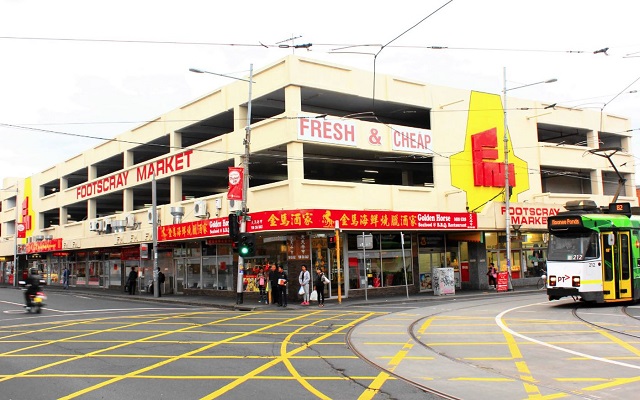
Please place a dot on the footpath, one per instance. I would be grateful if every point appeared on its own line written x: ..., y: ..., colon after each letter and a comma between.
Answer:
x: 251, y: 304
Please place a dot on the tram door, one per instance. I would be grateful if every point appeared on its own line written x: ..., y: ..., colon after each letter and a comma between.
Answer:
x: 616, y: 265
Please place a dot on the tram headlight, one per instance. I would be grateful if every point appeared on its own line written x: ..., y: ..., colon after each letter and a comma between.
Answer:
x: 575, y: 281
x: 552, y: 280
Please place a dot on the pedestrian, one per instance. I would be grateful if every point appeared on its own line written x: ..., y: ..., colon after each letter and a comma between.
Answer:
x: 282, y: 284
x: 318, y: 286
x: 492, y: 273
x: 303, y: 279
x: 273, y: 282
x: 160, y: 282
x: 65, y: 278
x: 132, y: 280
x: 261, y: 280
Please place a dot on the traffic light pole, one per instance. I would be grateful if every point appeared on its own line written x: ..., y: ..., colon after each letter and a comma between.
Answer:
x: 245, y: 191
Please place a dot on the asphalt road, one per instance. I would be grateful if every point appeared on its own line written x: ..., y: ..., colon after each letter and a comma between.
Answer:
x: 474, y: 347
x: 89, y: 347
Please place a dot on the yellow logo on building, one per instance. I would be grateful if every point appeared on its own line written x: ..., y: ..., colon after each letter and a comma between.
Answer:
x: 479, y: 170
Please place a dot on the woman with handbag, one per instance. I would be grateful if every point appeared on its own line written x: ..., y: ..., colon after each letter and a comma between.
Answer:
x: 318, y: 286
x: 304, y: 280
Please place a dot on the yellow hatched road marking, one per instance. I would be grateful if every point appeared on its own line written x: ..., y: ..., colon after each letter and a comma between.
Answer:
x: 375, y: 386
x: 613, y: 383
x: 281, y: 358
x: 172, y: 359
x: 521, y: 365
x: 377, y: 383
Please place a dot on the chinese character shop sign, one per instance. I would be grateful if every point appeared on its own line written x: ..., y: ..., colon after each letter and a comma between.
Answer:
x: 479, y: 170
x: 283, y: 220
x: 354, y: 219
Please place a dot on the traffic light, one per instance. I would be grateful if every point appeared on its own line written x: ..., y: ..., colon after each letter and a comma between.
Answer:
x: 331, y: 242
x: 234, y: 227
x: 247, y: 244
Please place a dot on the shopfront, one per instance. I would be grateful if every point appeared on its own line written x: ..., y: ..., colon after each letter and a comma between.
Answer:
x: 529, y: 237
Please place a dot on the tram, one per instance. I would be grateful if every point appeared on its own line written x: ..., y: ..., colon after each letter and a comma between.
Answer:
x: 593, y: 253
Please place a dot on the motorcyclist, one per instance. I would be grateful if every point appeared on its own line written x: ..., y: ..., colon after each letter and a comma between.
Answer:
x: 32, y: 285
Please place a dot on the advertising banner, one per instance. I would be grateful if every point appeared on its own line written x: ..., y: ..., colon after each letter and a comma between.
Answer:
x: 236, y: 180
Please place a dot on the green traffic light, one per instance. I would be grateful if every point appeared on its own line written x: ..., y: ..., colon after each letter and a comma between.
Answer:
x: 244, y: 250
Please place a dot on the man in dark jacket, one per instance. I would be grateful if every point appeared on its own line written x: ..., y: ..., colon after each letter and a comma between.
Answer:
x: 33, y: 286
x: 273, y: 282
x: 282, y: 278
x: 132, y: 281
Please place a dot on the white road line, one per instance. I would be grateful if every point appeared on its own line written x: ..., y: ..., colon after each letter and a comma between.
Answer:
x: 499, y: 322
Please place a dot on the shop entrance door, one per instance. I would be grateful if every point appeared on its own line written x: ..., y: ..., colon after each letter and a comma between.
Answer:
x: 181, y: 275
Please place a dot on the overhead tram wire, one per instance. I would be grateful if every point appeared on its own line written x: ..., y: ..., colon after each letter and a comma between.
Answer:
x: 157, y: 145
x: 375, y: 57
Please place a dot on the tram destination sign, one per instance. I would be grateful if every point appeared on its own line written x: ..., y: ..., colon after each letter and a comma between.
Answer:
x: 561, y: 223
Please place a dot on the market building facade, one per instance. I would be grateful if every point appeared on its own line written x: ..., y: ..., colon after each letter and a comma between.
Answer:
x: 420, y: 171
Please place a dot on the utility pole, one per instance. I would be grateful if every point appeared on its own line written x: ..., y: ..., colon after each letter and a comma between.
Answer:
x: 244, y: 212
x: 245, y: 191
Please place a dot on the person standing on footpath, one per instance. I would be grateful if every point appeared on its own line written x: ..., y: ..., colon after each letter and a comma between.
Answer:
x: 492, y: 273
x: 282, y: 284
x: 261, y: 280
x: 132, y: 281
x: 318, y: 286
x: 273, y: 282
x: 160, y: 282
x: 65, y: 278
x: 303, y: 279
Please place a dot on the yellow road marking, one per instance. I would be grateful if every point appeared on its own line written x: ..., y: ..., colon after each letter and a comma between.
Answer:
x: 78, y: 357
x: 170, y: 360
x: 375, y: 386
x: 264, y: 367
x: 613, y: 383
x: 521, y: 365
x: 377, y: 383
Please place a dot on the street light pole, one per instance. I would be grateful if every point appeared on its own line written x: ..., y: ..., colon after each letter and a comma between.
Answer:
x: 507, y: 191
x: 507, y: 187
x: 245, y: 180
x: 245, y: 189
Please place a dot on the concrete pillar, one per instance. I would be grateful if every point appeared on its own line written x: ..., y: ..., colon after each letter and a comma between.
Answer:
x: 175, y: 191
x: 292, y: 101
x: 596, y: 182
x: 63, y: 216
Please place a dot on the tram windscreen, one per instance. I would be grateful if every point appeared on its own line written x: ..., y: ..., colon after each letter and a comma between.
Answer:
x: 573, y: 246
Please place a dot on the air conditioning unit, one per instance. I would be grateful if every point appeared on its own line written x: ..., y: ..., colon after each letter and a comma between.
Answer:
x: 106, y: 224
x: 150, y: 216
x: 200, y: 209
x: 94, y: 226
x: 130, y: 220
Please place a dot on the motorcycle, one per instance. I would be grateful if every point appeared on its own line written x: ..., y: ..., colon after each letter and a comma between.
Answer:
x: 37, y: 299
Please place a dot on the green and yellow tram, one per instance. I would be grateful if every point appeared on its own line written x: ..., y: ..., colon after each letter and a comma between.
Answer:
x: 593, y: 254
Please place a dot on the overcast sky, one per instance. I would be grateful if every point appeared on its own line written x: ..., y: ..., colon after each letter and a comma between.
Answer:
x: 119, y: 78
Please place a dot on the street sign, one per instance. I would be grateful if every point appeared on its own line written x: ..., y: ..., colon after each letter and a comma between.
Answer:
x: 365, y: 241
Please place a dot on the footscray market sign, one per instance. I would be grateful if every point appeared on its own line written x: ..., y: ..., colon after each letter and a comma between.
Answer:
x: 164, y: 166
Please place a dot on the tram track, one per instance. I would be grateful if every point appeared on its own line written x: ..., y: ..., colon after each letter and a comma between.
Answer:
x: 413, y: 337
x: 623, y: 310
x: 412, y: 332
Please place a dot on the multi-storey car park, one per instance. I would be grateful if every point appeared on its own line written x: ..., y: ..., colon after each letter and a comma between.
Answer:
x: 421, y: 168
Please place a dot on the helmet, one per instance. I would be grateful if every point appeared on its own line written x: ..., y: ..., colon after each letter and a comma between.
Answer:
x: 33, y: 271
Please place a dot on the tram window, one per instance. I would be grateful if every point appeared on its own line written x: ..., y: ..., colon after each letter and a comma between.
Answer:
x: 573, y: 246
x: 624, y: 256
